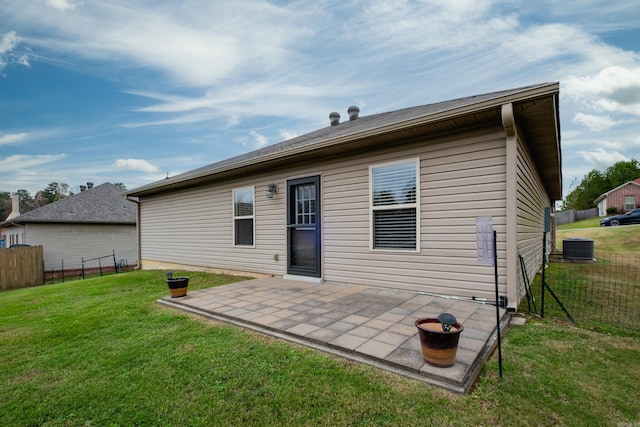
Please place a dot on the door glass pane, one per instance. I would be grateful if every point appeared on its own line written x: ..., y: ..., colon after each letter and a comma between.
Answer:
x: 305, y: 204
x: 303, y: 248
x: 244, y: 232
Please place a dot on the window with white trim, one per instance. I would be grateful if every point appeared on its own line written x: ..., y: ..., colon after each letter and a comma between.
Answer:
x: 394, y: 205
x: 629, y: 203
x: 243, y: 217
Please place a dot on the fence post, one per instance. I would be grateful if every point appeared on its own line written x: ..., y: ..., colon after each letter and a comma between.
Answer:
x: 115, y: 264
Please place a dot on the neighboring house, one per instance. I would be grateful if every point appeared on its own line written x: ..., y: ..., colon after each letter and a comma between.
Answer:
x: 624, y: 198
x: 93, y: 223
x: 392, y: 200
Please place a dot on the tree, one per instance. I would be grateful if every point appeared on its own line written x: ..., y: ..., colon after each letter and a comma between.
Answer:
x: 26, y: 201
x: 583, y: 196
x: 121, y: 185
x: 5, y: 205
x: 622, y: 172
x: 596, y: 183
x: 54, y: 192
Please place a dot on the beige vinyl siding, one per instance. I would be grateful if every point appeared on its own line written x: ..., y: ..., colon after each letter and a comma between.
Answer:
x: 72, y: 242
x: 531, y: 202
x: 462, y: 177
x: 194, y: 227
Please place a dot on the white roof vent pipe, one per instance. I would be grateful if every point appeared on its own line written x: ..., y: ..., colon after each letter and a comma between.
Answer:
x: 353, y: 112
x: 334, y: 118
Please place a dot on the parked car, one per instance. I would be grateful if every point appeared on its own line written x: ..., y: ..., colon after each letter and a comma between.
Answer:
x: 631, y: 217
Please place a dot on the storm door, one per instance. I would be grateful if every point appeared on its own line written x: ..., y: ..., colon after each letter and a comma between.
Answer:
x: 303, y: 226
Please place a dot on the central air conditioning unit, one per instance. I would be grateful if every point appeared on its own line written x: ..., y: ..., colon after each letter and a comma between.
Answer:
x: 578, y: 249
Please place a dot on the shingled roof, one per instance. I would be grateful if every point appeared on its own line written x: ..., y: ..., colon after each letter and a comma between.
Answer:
x: 535, y: 107
x: 102, y: 204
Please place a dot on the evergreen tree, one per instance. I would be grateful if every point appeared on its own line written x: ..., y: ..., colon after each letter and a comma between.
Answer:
x: 54, y: 192
x: 5, y: 205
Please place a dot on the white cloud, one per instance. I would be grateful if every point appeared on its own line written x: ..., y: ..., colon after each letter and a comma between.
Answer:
x: 548, y: 41
x: 135, y: 165
x: 13, y: 138
x: 602, y: 158
x: 276, y: 66
x: 594, y: 123
x: 286, y: 134
x: 8, y: 42
x: 8, y: 51
x: 62, y: 5
x: 197, y: 44
x: 258, y: 140
x: 19, y: 162
x: 614, y: 89
x: 254, y: 140
x: 612, y: 145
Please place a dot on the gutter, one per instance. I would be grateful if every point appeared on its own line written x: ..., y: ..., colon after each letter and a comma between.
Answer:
x: 138, y: 232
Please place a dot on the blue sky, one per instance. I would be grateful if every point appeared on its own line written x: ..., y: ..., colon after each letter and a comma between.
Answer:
x: 132, y: 90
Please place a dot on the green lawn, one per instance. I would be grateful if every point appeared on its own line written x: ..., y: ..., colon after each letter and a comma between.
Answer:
x: 585, y: 223
x: 101, y: 352
x: 621, y: 239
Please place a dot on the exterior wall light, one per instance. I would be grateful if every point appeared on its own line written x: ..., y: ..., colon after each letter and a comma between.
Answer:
x: 271, y: 190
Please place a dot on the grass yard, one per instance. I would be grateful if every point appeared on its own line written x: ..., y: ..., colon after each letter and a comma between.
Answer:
x: 622, y: 239
x: 101, y: 352
x: 605, y: 294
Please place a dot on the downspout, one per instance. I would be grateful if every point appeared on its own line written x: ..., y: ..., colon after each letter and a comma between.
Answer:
x: 138, y: 232
x: 511, y: 232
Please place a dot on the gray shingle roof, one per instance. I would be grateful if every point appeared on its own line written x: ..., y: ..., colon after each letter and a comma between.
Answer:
x: 364, y: 125
x: 104, y: 203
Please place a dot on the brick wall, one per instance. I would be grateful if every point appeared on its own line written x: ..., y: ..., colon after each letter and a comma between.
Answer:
x: 616, y: 198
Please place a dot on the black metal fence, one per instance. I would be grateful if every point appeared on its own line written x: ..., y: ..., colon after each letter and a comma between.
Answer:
x: 89, y: 266
x: 599, y: 294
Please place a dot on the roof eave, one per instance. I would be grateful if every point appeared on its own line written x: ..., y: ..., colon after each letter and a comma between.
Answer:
x: 47, y: 221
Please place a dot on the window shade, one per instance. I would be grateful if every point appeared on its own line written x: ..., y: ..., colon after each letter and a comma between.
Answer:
x: 395, y: 228
x: 244, y: 232
x: 394, y: 184
x: 394, y: 206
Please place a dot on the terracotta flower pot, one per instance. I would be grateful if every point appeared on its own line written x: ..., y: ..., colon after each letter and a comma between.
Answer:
x: 178, y: 286
x: 439, y: 347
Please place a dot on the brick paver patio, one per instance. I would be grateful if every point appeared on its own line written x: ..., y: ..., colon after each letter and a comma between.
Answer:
x: 367, y: 324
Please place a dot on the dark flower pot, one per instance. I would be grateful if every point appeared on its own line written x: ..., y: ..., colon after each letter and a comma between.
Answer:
x: 439, y: 347
x: 178, y: 286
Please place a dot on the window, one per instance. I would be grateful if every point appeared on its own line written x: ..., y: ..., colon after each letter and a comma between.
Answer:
x: 394, y: 205
x: 243, y: 217
x: 629, y: 203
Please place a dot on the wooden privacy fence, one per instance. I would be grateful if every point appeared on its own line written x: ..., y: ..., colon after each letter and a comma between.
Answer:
x: 21, y: 267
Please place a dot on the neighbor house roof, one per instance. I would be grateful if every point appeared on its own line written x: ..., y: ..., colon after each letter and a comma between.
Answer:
x: 635, y: 182
x: 535, y: 109
x: 104, y: 204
